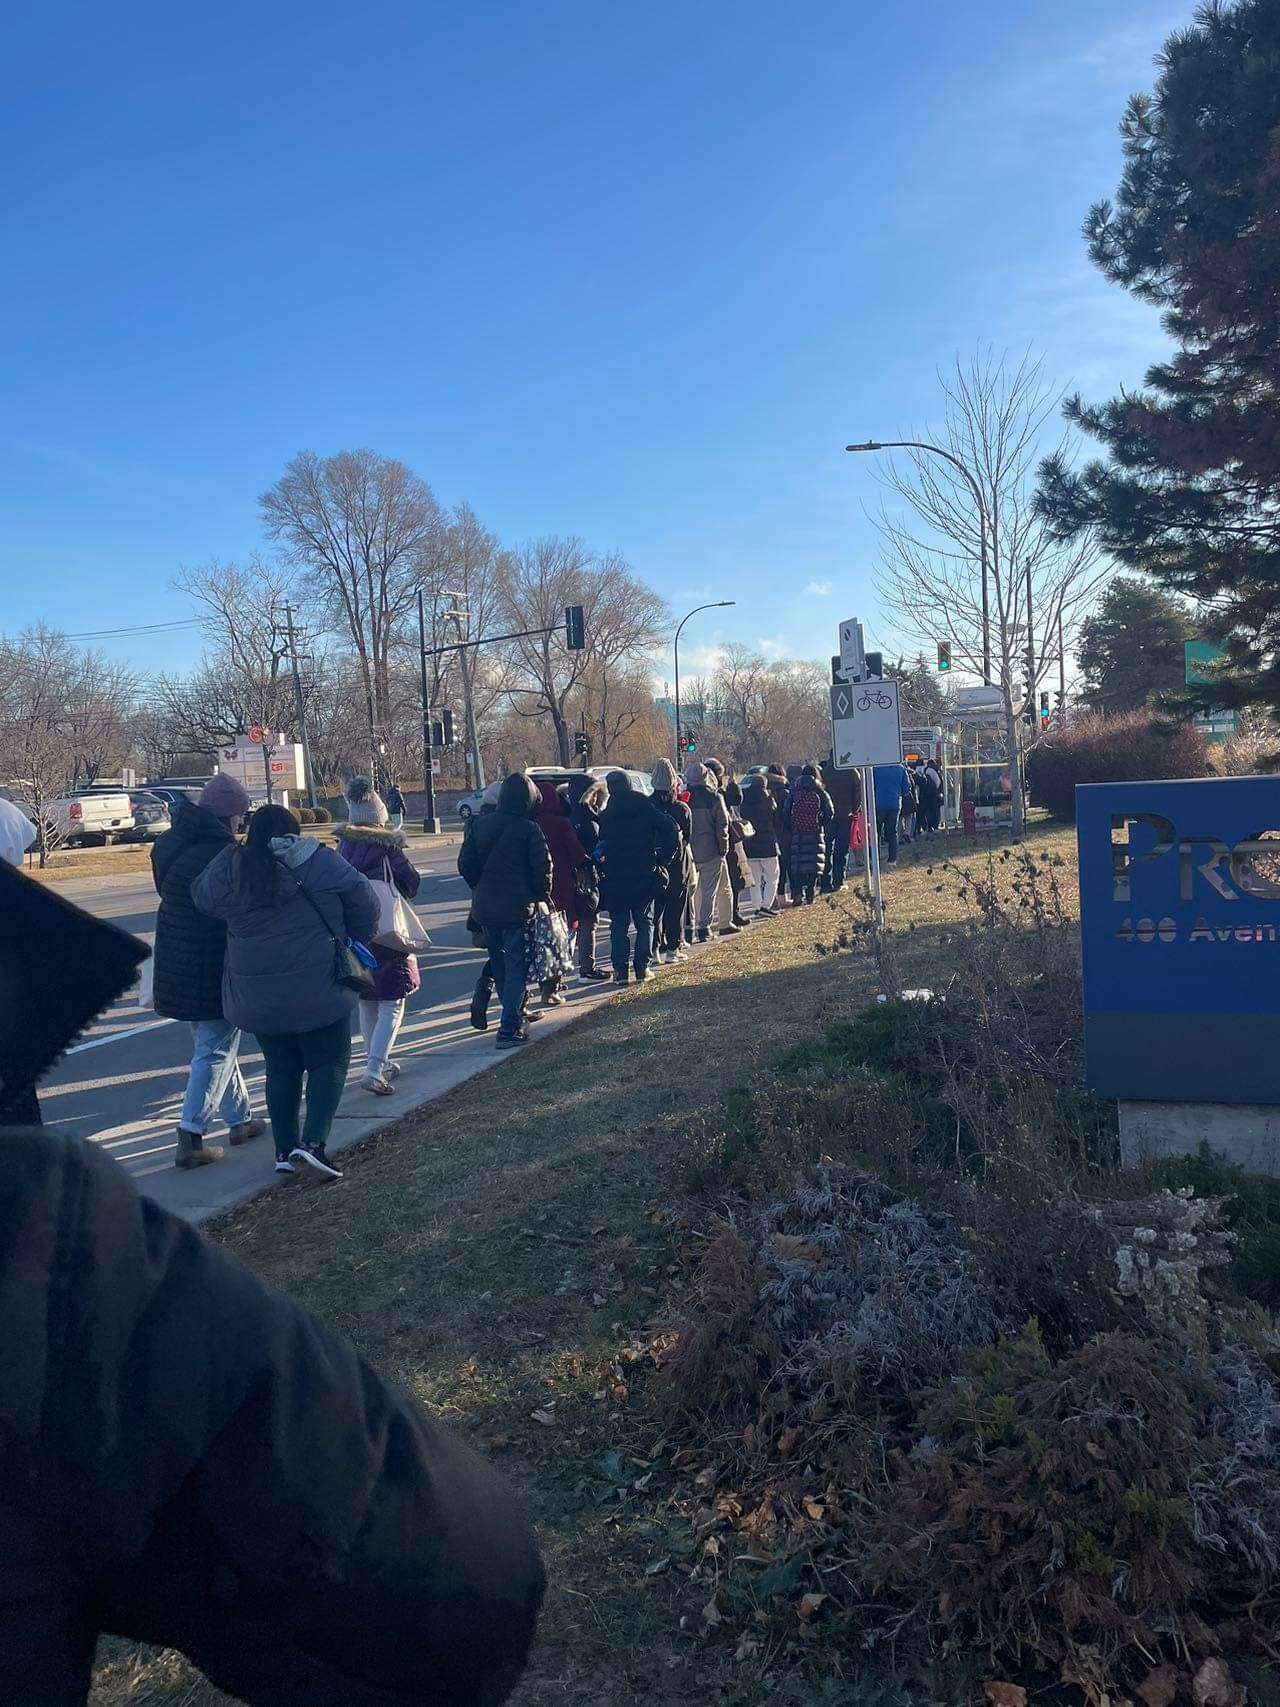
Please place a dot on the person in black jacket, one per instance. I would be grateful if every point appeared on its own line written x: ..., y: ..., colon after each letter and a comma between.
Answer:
x: 189, y: 1458
x: 640, y: 844
x: 671, y: 910
x: 505, y: 862
x: 586, y: 797
x: 190, y: 950
x: 845, y: 789
x: 761, y: 810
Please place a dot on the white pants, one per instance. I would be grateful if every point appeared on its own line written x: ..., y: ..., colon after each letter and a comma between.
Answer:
x: 764, y: 881
x: 380, y: 1024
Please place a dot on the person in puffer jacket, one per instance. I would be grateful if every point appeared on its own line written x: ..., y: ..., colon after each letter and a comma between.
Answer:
x: 188, y: 1458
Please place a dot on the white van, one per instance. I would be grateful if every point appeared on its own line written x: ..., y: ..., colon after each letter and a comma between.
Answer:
x: 95, y: 814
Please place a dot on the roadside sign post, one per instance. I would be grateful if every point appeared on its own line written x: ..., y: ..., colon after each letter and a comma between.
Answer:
x: 866, y: 731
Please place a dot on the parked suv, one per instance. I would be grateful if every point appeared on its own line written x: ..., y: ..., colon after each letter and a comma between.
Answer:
x: 150, y: 815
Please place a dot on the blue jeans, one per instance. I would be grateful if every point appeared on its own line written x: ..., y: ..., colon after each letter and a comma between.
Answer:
x: 506, y: 955
x: 215, y: 1084
x: 621, y: 920
x: 887, y: 822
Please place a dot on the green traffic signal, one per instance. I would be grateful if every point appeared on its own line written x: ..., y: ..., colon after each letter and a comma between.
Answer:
x: 944, y: 656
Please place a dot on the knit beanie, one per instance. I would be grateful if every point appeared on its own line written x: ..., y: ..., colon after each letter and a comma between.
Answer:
x: 364, y: 803
x: 698, y: 774
x: 663, y: 777
x: 224, y: 797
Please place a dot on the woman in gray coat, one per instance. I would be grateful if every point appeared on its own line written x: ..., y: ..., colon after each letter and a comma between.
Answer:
x: 288, y: 903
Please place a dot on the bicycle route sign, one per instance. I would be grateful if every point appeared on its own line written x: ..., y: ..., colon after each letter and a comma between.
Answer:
x: 865, y: 725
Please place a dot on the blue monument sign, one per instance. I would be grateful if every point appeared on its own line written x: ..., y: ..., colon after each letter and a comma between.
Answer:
x: 1180, y: 925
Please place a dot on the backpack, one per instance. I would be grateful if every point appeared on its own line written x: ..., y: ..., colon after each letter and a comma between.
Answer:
x: 806, y: 811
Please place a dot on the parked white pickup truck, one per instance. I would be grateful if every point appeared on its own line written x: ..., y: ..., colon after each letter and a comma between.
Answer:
x: 92, y: 815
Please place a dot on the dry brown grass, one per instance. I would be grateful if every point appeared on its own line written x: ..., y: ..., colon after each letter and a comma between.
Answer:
x: 500, y: 1251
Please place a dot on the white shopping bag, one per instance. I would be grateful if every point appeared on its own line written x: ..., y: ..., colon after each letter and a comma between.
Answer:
x: 147, y: 982
x: 398, y: 928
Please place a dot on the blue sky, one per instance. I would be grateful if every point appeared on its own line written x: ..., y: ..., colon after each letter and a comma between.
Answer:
x: 635, y: 273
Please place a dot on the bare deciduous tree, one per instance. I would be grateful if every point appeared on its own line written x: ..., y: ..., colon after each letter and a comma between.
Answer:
x: 66, y: 716
x: 366, y: 533
x: 624, y: 621
x: 930, y: 579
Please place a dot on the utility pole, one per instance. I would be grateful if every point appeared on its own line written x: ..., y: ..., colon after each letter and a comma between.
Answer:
x: 430, y: 823
x: 1062, y: 677
x: 299, y: 708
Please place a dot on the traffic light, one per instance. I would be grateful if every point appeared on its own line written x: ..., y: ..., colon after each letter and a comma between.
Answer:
x: 437, y: 732
x: 582, y: 745
x: 574, y: 631
x: 1044, y: 709
x: 873, y: 667
x: 944, y: 657
x: 447, y: 731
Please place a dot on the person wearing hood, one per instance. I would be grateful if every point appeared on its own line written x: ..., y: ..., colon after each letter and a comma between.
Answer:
x: 17, y: 833
x: 709, y: 839
x: 671, y: 909
x: 377, y: 851
x: 845, y: 789
x: 639, y: 845
x: 190, y: 953
x: 586, y: 798
x: 809, y: 817
x: 551, y: 815
x: 780, y: 789
x: 395, y: 807
x: 762, y: 811
x: 505, y: 862
x: 738, y: 860
x: 288, y: 904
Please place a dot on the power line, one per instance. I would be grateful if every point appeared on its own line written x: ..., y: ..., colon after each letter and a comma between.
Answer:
x: 145, y: 628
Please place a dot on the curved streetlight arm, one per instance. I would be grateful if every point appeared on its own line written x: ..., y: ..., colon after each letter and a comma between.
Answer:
x: 716, y: 604
x: 984, y: 524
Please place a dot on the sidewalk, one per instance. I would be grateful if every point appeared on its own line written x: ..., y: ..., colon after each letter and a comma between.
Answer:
x: 437, y: 1050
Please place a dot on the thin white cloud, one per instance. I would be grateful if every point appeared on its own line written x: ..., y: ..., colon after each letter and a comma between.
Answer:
x: 818, y: 590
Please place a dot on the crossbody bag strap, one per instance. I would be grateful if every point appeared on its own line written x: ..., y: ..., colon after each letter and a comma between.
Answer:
x: 311, y: 902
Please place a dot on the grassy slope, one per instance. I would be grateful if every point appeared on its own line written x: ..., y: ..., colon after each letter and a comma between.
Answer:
x: 499, y: 1252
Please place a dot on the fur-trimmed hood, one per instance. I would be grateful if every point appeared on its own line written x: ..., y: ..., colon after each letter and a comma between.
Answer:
x: 370, y: 834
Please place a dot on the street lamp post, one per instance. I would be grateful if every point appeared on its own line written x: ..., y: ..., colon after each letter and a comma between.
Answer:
x: 984, y: 525
x: 719, y: 604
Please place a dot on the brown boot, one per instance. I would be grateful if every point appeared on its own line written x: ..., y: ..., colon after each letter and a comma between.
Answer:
x: 193, y: 1152
x: 246, y: 1130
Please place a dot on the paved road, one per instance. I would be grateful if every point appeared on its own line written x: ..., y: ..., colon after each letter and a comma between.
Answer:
x: 121, y: 1084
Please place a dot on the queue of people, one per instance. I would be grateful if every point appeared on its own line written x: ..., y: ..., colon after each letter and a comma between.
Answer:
x: 279, y: 935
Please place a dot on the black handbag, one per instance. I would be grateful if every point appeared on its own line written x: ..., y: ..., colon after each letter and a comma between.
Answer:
x: 351, y: 971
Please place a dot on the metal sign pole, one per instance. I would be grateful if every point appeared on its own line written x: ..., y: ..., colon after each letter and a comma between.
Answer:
x: 873, y: 842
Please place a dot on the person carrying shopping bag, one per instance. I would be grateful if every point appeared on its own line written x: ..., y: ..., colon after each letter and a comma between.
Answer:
x: 378, y: 853
x: 292, y: 908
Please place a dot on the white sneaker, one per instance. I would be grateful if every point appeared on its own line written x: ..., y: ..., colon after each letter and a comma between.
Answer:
x: 377, y: 1085
x: 671, y: 958
x: 391, y: 1070
x: 284, y: 1165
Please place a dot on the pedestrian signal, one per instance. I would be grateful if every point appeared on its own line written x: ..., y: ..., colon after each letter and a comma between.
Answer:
x: 574, y: 630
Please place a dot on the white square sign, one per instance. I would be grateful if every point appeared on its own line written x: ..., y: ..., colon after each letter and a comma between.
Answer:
x: 865, y: 725
x: 851, y: 647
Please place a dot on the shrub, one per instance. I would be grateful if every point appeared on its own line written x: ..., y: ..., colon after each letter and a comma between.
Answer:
x: 322, y: 815
x: 304, y: 814
x: 1139, y: 746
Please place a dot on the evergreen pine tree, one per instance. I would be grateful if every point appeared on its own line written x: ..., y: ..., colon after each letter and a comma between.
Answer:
x: 1131, y: 647
x: 1192, y: 491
